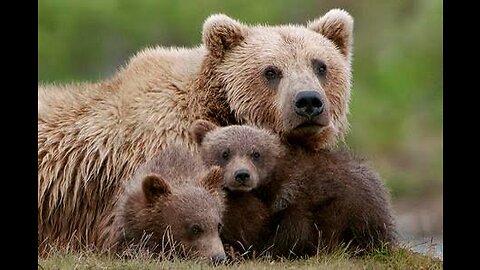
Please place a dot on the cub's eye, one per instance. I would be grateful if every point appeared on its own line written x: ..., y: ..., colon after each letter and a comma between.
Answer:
x: 225, y: 154
x: 195, y: 230
x: 319, y: 67
x: 272, y: 73
x: 220, y: 226
x: 256, y: 155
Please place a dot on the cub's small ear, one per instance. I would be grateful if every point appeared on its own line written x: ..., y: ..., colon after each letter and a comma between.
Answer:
x: 221, y: 33
x: 213, y: 181
x: 200, y: 128
x: 336, y: 25
x: 154, y: 186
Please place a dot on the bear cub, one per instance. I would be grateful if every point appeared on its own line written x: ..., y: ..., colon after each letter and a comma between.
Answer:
x: 247, y: 156
x: 309, y: 200
x: 173, y: 202
x: 321, y: 200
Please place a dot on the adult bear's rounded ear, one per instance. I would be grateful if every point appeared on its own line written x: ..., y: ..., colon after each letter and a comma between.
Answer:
x: 221, y: 33
x: 336, y: 25
x: 200, y: 128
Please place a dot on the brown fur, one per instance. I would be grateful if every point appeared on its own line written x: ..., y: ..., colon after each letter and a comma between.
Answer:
x: 291, y: 49
x: 175, y: 192
x: 159, y: 205
x: 238, y: 148
x: 247, y: 223
x: 326, y: 198
x: 247, y: 218
x: 92, y: 136
x: 315, y: 199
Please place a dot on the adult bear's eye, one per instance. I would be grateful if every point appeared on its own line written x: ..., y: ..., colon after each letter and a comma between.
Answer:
x: 256, y: 155
x: 319, y: 67
x: 225, y: 154
x: 272, y: 73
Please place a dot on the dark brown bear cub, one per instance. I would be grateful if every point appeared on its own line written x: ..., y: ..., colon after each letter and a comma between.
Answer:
x: 173, y: 199
x: 322, y: 199
x: 315, y: 200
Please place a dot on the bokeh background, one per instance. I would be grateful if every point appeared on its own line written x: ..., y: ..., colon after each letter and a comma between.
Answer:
x: 396, y: 109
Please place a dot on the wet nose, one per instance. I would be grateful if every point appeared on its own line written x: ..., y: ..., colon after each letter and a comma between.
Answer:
x: 308, y: 104
x: 218, y: 258
x: 242, y: 176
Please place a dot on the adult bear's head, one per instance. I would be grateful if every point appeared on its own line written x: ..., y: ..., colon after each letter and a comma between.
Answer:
x: 292, y: 79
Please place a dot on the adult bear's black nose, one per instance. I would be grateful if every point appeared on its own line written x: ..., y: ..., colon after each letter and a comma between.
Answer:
x: 242, y: 176
x: 308, y: 104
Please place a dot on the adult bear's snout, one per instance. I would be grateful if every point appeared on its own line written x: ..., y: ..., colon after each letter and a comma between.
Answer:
x: 308, y: 104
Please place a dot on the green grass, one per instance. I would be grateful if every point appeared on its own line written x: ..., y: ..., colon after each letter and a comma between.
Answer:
x: 400, y: 259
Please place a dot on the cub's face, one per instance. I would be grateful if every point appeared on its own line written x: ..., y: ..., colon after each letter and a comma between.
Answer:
x: 292, y: 79
x: 187, y: 221
x: 195, y: 221
x: 246, y: 154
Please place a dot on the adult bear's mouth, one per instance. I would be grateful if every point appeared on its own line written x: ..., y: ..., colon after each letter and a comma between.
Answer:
x: 307, y: 128
x: 309, y: 125
x: 315, y: 122
x: 312, y: 125
x: 307, y: 134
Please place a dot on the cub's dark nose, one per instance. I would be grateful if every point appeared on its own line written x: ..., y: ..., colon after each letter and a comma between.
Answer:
x: 242, y: 176
x: 308, y: 104
x: 218, y: 259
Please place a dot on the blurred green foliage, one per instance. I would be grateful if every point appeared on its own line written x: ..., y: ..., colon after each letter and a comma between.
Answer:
x: 396, y: 111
